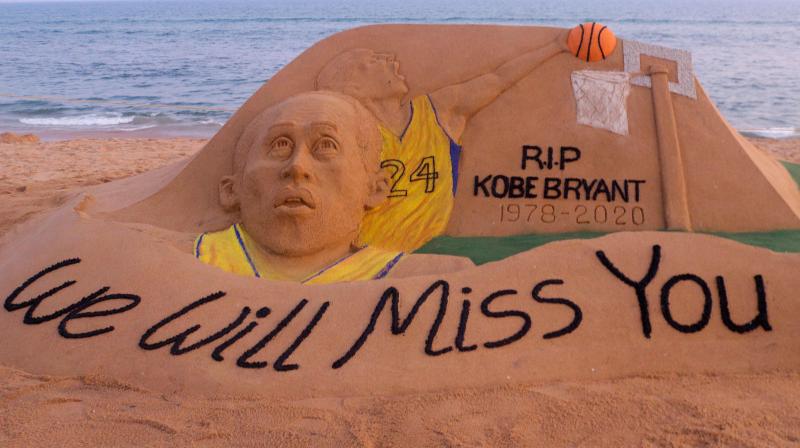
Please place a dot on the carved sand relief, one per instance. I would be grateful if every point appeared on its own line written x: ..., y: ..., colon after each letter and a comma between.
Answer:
x: 305, y: 172
x: 552, y: 197
x: 600, y: 203
x: 421, y: 136
x: 657, y: 301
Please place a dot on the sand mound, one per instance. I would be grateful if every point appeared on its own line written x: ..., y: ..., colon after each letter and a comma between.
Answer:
x: 11, y: 138
x: 557, y: 312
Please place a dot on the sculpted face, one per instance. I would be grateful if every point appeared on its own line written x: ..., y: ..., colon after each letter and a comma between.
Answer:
x: 364, y: 73
x: 305, y: 185
x: 380, y: 73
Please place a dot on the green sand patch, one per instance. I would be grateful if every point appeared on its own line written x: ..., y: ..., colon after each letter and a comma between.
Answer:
x: 794, y: 171
x: 485, y: 249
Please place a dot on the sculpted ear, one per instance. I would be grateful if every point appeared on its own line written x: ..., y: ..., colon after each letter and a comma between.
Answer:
x: 227, y: 193
x: 379, y: 191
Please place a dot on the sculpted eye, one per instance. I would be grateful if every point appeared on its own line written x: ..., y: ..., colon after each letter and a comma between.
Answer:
x: 326, y: 146
x: 281, y: 148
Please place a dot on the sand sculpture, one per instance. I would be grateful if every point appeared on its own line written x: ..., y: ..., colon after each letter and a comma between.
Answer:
x: 305, y: 172
x: 110, y: 283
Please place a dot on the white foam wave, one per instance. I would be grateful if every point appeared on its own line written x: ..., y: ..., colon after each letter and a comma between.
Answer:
x: 786, y: 132
x: 79, y: 120
x: 138, y: 128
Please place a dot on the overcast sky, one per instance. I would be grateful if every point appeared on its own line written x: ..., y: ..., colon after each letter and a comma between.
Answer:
x: 65, y: 1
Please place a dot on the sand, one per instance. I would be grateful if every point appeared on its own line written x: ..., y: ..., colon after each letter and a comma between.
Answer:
x: 660, y: 411
x: 39, y: 176
x: 664, y: 410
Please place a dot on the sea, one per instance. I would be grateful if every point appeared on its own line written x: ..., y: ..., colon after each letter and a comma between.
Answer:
x: 181, y: 68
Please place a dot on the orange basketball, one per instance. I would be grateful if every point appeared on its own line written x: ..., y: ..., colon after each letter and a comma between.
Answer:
x: 591, y: 41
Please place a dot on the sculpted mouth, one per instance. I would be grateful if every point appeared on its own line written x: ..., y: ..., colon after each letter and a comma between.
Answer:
x: 295, y: 199
x: 295, y: 202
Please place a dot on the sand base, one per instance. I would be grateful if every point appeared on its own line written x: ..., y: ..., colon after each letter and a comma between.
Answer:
x: 659, y: 411
x: 693, y: 410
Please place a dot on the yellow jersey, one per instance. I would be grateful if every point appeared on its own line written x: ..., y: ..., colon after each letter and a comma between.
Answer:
x: 423, y: 164
x: 233, y: 250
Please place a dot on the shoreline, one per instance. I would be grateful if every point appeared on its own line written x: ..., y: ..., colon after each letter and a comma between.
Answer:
x: 207, y: 132
x: 60, y: 135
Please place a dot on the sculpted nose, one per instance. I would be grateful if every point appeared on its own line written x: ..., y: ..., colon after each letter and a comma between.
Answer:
x: 297, y: 167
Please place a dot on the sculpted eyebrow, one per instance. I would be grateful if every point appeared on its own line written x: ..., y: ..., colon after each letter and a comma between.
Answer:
x: 282, y: 124
x: 324, y: 124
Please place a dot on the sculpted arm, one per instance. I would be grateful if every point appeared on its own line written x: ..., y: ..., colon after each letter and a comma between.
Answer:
x: 457, y: 103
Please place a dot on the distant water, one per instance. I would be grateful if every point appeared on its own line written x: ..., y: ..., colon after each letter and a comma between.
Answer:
x: 183, y: 67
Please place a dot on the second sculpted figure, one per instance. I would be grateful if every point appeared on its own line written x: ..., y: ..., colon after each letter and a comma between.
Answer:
x: 421, y: 138
x: 310, y: 183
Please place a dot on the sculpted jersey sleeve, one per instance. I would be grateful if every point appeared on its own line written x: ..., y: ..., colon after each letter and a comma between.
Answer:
x: 423, y: 165
x: 232, y: 250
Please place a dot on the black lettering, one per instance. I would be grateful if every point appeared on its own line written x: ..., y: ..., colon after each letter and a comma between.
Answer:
x: 75, y: 311
x: 398, y: 326
x: 244, y: 360
x: 280, y: 365
x: 530, y: 186
x: 617, y: 189
x: 526, y: 155
x: 81, y: 313
x: 638, y: 286
x: 515, y: 189
x: 482, y: 185
x: 462, y: 329
x: 587, y: 188
x: 216, y: 355
x: 501, y: 193
x: 30, y: 319
x: 178, y: 339
x: 602, y: 188
x: 761, y: 319
x: 551, y: 188
x: 526, y: 319
x: 34, y: 302
x: 568, y: 186
x: 636, y: 188
x: 566, y: 151
x: 704, y: 318
x: 576, y: 310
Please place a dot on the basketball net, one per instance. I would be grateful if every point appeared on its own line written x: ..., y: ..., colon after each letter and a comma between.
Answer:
x: 601, y: 98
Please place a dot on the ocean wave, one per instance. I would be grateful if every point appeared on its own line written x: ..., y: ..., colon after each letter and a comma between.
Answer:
x: 138, y: 128
x: 776, y: 133
x: 79, y: 120
x: 212, y: 122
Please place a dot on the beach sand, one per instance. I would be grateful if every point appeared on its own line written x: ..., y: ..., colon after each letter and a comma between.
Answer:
x: 753, y: 410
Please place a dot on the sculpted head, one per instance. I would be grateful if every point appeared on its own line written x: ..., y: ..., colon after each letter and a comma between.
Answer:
x: 363, y: 73
x: 305, y: 172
